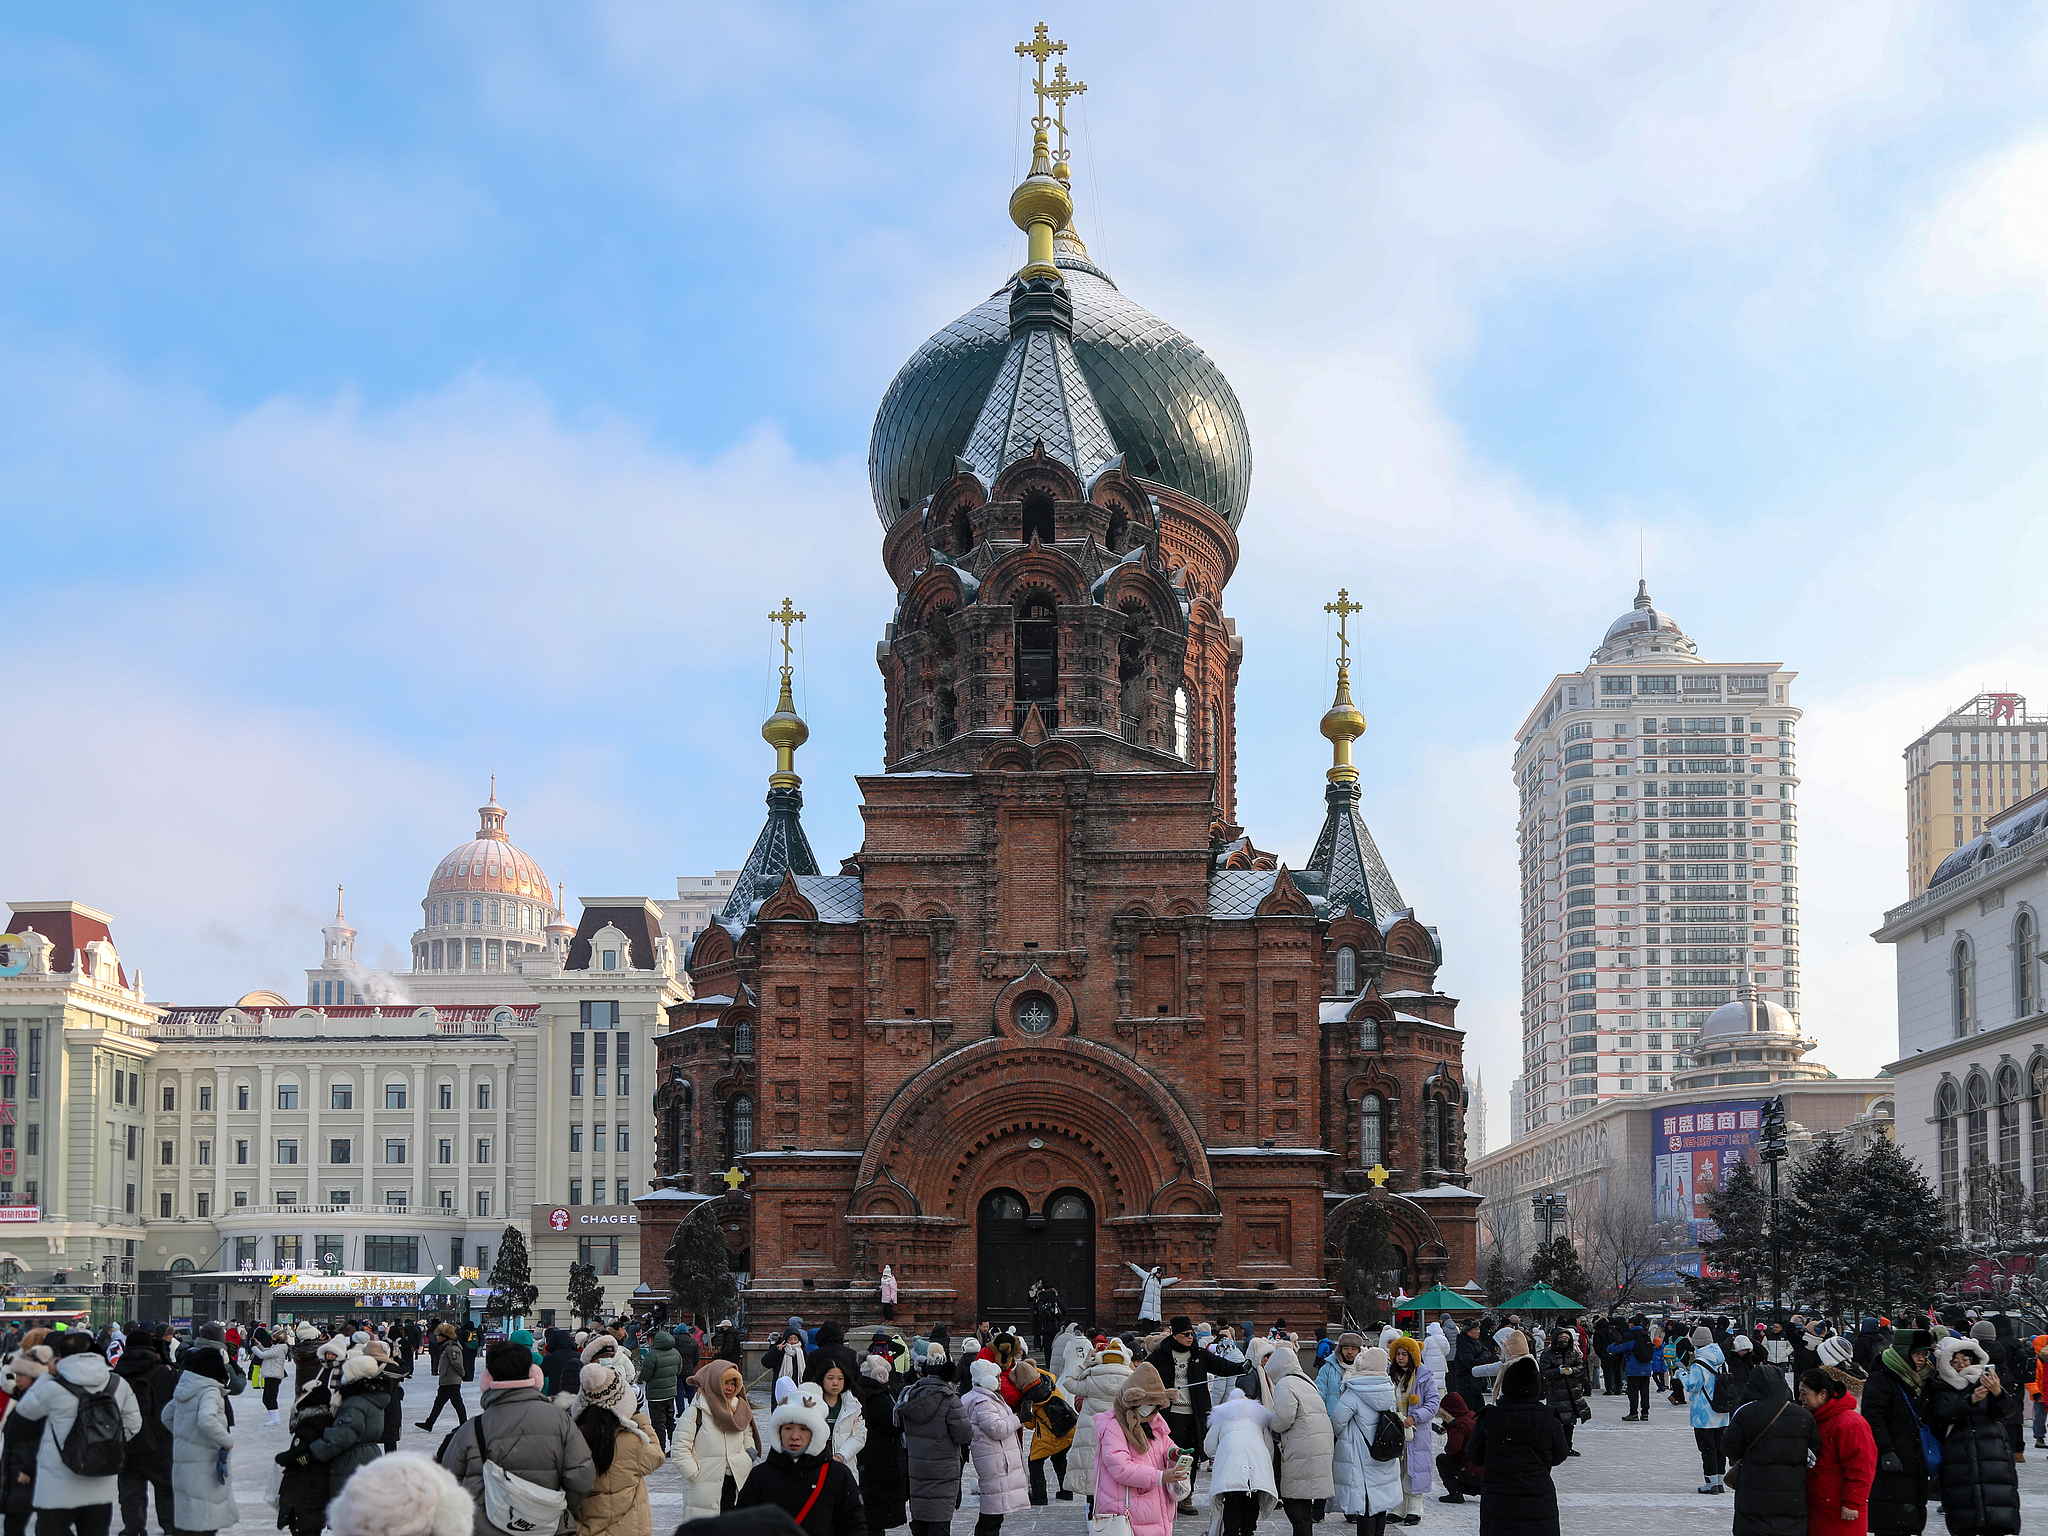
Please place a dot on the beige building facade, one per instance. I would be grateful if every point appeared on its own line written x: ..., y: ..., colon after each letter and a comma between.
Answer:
x: 1976, y: 763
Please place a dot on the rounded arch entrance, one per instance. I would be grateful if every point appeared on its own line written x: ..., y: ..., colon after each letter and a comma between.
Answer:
x: 1077, y: 1134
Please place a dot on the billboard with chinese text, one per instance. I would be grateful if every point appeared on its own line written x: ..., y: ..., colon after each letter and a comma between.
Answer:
x: 1695, y: 1149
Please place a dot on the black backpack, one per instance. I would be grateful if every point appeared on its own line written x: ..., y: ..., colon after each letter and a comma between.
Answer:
x: 1389, y: 1436
x: 1645, y: 1352
x: 1721, y: 1397
x: 96, y: 1445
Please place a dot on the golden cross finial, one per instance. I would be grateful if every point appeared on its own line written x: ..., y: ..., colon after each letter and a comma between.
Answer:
x: 1060, y: 91
x: 1041, y: 47
x: 733, y: 1178
x: 1343, y: 608
x: 1378, y: 1175
x: 786, y: 615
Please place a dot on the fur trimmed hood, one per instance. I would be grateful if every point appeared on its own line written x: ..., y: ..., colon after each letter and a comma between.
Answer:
x: 1963, y: 1377
x: 1241, y: 1409
x: 401, y: 1495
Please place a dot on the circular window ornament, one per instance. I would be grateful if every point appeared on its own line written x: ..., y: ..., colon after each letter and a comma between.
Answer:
x: 1035, y: 1013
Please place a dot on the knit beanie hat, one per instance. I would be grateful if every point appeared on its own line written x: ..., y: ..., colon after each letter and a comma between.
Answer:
x: 875, y: 1368
x: 934, y: 1353
x: 1701, y: 1337
x: 602, y: 1387
x: 985, y: 1374
x: 1983, y: 1329
x: 1836, y: 1351
x: 1743, y: 1346
x: 1372, y: 1362
x: 402, y: 1495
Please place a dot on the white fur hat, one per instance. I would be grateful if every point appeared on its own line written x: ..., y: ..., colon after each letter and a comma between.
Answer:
x: 985, y: 1373
x: 305, y: 1333
x: 598, y: 1341
x: 1372, y: 1362
x: 785, y: 1388
x: 360, y: 1368
x: 805, y: 1406
x: 875, y: 1368
x: 333, y: 1349
x: 402, y: 1495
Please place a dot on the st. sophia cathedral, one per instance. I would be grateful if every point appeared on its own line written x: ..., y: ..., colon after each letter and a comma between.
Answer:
x: 1058, y: 1015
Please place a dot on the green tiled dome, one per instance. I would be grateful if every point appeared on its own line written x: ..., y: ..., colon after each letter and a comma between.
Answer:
x: 1174, y: 416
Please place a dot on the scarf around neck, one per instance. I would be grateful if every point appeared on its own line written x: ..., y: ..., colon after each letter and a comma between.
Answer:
x: 735, y: 1417
x: 1903, y: 1368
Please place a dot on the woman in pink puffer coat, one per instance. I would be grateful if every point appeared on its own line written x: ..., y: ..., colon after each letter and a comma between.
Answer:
x: 1134, y: 1456
x: 1001, y: 1464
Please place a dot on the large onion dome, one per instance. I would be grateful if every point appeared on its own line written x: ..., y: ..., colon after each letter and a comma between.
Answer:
x: 1169, y: 409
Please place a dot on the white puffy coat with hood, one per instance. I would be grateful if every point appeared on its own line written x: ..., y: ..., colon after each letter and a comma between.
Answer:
x: 1364, y: 1486
x: 57, y: 1486
x: 197, y: 1417
x: 1240, y: 1447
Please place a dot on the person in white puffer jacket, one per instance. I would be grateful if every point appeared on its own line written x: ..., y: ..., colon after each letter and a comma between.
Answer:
x: 1091, y: 1386
x: 715, y: 1438
x: 1239, y: 1446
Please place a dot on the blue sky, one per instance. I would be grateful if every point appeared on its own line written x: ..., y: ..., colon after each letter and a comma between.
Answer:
x: 397, y: 395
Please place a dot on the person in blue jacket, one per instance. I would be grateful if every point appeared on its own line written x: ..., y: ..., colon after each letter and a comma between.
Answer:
x: 1708, y: 1365
x: 1638, y: 1360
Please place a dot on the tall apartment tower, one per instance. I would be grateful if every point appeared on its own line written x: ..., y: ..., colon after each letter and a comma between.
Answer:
x: 1660, y: 865
x: 1979, y: 761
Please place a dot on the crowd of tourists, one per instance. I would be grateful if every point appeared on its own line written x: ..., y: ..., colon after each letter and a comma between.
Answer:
x: 1878, y: 1431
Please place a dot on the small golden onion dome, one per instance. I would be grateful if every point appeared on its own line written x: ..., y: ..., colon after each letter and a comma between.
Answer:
x: 1343, y: 723
x: 785, y: 731
x: 1040, y: 200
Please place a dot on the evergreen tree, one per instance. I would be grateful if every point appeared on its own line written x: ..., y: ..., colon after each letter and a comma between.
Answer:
x: 1500, y: 1285
x: 511, y: 1279
x: 1894, y: 1216
x: 1821, y: 1249
x: 1556, y: 1264
x: 1368, y: 1255
x: 586, y: 1296
x: 1742, y: 1253
x: 700, y: 1270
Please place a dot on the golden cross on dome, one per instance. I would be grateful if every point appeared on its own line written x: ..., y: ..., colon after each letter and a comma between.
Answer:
x: 1041, y: 47
x: 1060, y: 91
x: 1379, y: 1175
x: 1343, y: 608
x: 786, y: 615
x: 733, y: 1178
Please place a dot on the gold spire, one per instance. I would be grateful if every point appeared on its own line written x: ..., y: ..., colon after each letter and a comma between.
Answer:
x: 785, y: 730
x: 1059, y: 91
x: 1343, y: 722
x: 1041, y: 203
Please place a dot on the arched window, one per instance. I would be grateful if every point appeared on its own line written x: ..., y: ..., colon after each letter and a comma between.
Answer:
x: 2008, y: 1124
x: 1068, y: 1206
x: 1347, y: 972
x: 2037, y: 1121
x: 740, y: 1125
x: 1977, y: 1153
x: 1368, y: 1034
x: 1038, y: 661
x: 1960, y: 979
x: 743, y: 1038
x: 2026, y: 944
x: 963, y: 532
x: 1371, y: 1139
x: 1038, y: 507
x: 1432, y: 1149
x: 1180, y: 724
x: 1119, y: 530
x: 1945, y: 1135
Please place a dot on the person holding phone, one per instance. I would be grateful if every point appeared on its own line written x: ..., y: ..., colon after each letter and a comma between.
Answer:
x: 1980, y: 1493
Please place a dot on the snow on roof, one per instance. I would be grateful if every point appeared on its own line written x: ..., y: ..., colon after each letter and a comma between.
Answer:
x: 1443, y: 1192
x: 1337, y: 1012
x: 675, y: 1194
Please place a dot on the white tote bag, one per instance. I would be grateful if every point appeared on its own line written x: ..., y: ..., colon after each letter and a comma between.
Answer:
x: 512, y: 1503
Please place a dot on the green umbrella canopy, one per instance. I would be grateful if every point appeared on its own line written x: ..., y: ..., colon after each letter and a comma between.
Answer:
x: 440, y: 1285
x: 1541, y: 1298
x: 1441, y: 1298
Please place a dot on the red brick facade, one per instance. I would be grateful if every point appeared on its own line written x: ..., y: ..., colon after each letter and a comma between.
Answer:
x: 1063, y: 972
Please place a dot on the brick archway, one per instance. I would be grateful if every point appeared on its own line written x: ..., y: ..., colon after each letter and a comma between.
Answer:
x: 979, y: 1108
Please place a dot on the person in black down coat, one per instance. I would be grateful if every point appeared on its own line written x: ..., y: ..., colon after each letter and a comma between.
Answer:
x: 1562, y: 1388
x: 1980, y: 1490
x: 830, y: 1350
x: 148, y: 1462
x: 561, y: 1368
x: 1771, y: 1436
x: 1895, y: 1404
x: 1515, y: 1444
x: 1471, y: 1350
x: 883, y: 1462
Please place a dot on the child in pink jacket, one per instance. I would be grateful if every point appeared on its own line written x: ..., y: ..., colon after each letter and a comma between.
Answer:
x: 1135, y: 1455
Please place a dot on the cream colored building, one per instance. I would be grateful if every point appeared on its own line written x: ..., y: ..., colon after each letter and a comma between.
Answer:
x: 1979, y: 761
x: 1658, y: 800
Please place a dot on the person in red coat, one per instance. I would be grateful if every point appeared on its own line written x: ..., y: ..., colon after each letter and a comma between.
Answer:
x: 1455, y: 1425
x: 1838, y: 1482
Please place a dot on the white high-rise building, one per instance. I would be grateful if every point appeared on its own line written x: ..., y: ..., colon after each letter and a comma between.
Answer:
x: 1659, y: 860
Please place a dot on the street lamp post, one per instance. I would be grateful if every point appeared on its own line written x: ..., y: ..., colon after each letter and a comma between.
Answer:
x: 1773, y: 1153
